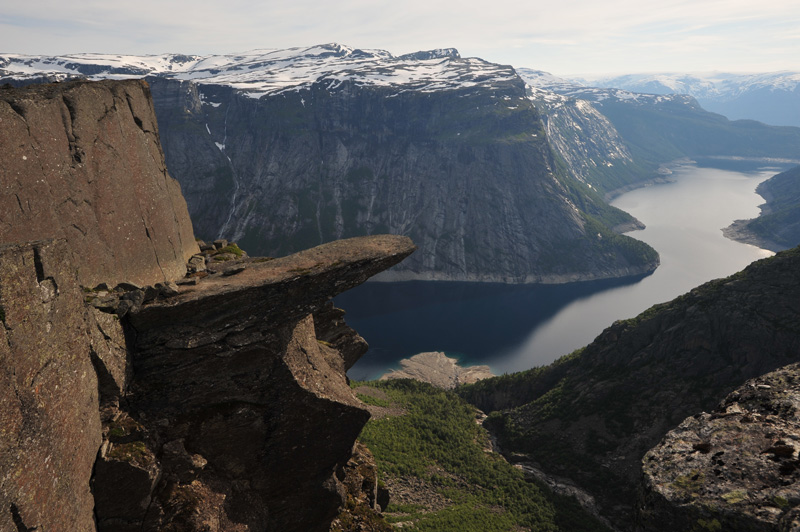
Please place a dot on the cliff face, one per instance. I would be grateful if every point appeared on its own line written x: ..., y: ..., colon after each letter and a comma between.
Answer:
x: 48, y: 392
x: 592, y: 416
x: 285, y: 149
x: 468, y: 174
x: 588, y: 143
x: 217, y: 404
x: 83, y: 162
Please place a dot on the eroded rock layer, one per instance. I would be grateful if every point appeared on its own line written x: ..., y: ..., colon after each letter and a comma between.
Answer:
x: 49, y: 418
x: 83, y: 161
x: 237, y: 416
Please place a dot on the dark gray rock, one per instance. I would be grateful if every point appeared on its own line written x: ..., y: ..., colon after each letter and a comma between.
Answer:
x: 735, y: 468
x: 467, y: 174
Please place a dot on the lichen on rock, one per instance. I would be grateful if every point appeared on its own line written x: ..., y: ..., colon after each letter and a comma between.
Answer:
x: 737, y: 466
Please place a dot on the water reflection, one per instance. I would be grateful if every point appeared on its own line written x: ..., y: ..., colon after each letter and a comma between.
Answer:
x: 475, y: 322
x: 512, y: 328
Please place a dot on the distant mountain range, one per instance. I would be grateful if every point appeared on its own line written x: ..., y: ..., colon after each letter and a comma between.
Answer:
x: 772, y: 98
x: 498, y: 174
x: 657, y: 128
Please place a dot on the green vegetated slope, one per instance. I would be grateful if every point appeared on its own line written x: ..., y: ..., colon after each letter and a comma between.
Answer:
x: 678, y: 127
x: 780, y: 221
x: 435, y: 449
x: 592, y: 415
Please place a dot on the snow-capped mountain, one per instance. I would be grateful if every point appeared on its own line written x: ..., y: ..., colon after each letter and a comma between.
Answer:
x: 772, y: 98
x: 661, y: 127
x: 544, y: 81
x: 261, y: 72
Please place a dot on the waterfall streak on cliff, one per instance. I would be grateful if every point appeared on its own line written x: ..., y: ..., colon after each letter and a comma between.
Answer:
x: 225, y: 226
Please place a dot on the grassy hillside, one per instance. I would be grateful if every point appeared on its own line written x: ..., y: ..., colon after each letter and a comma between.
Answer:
x: 433, y: 457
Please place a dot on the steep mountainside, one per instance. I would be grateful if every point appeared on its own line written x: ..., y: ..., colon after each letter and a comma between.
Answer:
x: 591, y: 416
x: 588, y: 142
x: 771, y: 97
x: 284, y: 149
x: 657, y: 128
x: 778, y: 225
x: 216, y: 401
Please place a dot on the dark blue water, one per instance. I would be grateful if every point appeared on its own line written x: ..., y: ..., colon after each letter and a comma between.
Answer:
x: 512, y: 328
x: 475, y: 322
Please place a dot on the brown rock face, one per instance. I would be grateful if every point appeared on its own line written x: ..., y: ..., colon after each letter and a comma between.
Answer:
x: 83, y: 161
x: 49, y: 418
x: 232, y: 368
x: 736, y: 468
x: 223, y: 407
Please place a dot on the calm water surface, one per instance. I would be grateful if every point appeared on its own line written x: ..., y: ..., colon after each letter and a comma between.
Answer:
x: 512, y: 328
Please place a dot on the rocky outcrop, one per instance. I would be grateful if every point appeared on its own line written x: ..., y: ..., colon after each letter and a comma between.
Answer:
x: 735, y: 468
x: 206, y: 402
x: 592, y: 416
x: 82, y: 161
x: 439, y: 370
x: 237, y: 414
x: 49, y: 415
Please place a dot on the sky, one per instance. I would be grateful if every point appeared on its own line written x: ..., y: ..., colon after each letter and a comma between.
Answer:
x: 564, y: 37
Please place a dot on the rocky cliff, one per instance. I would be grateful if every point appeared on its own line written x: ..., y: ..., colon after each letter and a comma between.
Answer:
x: 83, y: 162
x: 48, y: 392
x: 285, y: 149
x: 218, y: 403
x: 592, y: 416
x: 468, y: 174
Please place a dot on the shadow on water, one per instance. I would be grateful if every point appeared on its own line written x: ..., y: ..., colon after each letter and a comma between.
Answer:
x: 473, y: 321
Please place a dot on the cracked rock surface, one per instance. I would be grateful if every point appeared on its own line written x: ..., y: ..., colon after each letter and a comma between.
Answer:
x: 83, y: 161
x: 736, y: 468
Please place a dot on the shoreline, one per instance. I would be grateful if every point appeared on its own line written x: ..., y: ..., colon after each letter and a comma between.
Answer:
x: 738, y: 231
x: 389, y: 276
x: 662, y: 177
x: 437, y: 369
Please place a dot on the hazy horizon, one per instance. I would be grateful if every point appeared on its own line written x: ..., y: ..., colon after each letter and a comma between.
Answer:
x: 567, y: 39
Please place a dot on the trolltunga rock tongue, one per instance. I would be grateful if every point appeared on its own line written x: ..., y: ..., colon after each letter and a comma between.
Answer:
x: 280, y: 289
x: 234, y: 369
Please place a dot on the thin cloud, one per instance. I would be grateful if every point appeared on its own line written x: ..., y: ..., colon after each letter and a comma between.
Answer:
x: 568, y: 36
